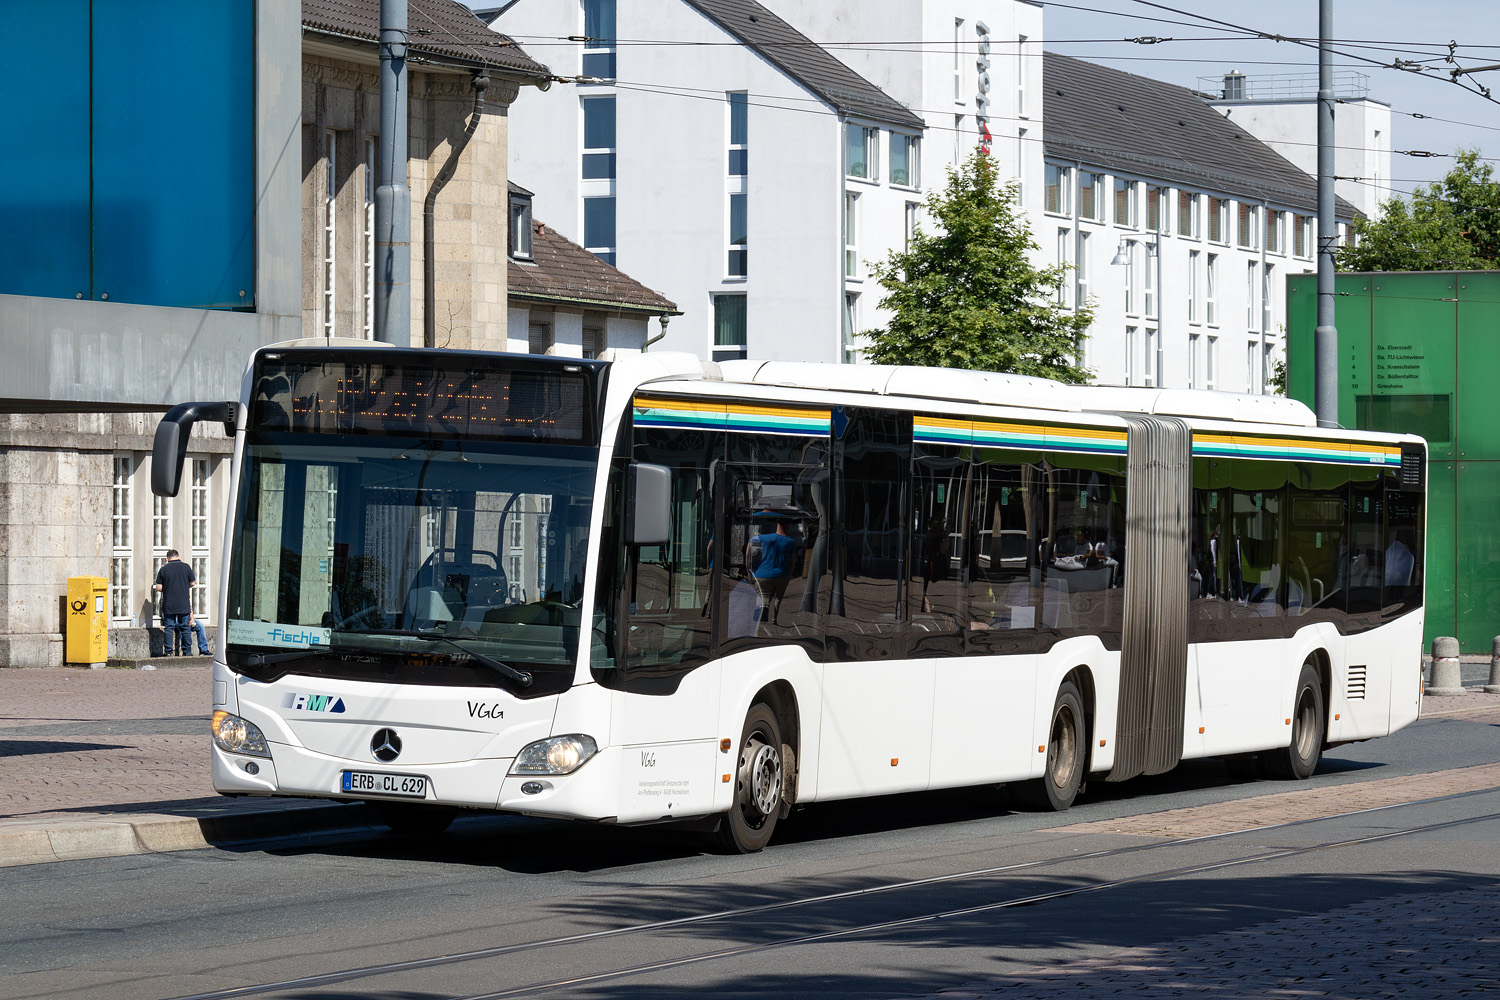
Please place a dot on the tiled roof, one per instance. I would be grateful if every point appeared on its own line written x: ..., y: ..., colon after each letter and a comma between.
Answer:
x: 561, y: 270
x: 439, y: 30
x: 1109, y: 118
x: 799, y: 57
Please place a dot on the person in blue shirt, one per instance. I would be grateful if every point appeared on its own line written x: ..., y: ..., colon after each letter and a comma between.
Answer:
x: 771, y: 557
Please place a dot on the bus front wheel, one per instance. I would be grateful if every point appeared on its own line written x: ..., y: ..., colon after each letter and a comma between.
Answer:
x: 1067, y: 756
x: 758, y: 780
x: 1299, y: 759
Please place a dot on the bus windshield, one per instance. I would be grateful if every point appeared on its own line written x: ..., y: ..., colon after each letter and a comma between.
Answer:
x: 357, y: 549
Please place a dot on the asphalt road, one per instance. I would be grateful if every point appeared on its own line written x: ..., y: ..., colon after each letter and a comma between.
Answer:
x: 895, y: 897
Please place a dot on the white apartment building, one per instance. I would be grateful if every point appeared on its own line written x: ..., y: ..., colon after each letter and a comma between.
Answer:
x: 750, y: 163
x: 1281, y: 110
x: 1180, y: 225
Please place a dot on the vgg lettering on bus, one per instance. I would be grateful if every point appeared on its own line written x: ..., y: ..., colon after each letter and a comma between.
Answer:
x: 485, y: 710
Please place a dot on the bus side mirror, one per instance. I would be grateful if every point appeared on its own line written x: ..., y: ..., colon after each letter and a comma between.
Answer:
x: 648, y: 520
x: 169, y: 449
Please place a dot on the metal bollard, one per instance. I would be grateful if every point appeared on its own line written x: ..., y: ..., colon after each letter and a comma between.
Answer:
x: 1493, y: 687
x: 1447, y: 676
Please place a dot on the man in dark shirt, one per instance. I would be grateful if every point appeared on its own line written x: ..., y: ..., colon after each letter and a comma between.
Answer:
x: 175, y: 580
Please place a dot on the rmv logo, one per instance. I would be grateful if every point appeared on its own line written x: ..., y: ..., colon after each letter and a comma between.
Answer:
x: 312, y: 702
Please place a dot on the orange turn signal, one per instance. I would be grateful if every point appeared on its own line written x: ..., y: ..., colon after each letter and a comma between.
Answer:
x: 725, y: 779
x: 724, y: 746
x: 895, y: 761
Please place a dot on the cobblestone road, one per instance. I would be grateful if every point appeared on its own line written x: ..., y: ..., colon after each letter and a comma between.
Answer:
x: 1422, y: 946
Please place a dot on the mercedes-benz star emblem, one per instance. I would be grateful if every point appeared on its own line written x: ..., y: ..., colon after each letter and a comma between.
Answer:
x: 386, y: 745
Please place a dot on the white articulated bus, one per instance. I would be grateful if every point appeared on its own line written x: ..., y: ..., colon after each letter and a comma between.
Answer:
x: 654, y: 589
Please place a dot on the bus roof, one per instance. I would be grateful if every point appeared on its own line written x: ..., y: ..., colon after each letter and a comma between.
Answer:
x: 991, y: 388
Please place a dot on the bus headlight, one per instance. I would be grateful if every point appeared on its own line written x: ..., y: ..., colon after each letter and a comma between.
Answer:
x: 556, y: 755
x: 239, y: 735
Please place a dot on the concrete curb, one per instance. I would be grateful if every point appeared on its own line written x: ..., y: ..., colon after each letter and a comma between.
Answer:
x: 29, y: 843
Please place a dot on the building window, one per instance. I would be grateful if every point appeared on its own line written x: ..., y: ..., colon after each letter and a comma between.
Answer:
x: 1189, y: 215
x: 330, y: 229
x: 1266, y: 285
x: 1089, y: 200
x: 372, y: 181
x: 119, y: 562
x: 593, y: 341
x: 1253, y: 381
x: 958, y: 139
x: 198, y: 511
x: 906, y: 160
x: 1021, y: 111
x: 958, y: 59
x: 737, y: 236
x: 161, y: 531
x: 1195, y: 290
x: 913, y: 210
x: 1252, y: 296
x: 1148, y: 278
x: 519, y: 236
x: 1156, y: 208
x: 599, y: 38
x: 539, y: 338
x: 1302, y: 235
x: 1211, y: 363
x: 851, y: 224
x: 730, y: 327
x: 739, y: 134
x: 1218, y: 220
x: 1083, y: 271
x: 598, y: 138
x: 1274, y: 241
x: 1020, y: 165
x: 1130, y: 334
x: 1132, y: 272
x: 1152, y: 368
x: 599, y: 228
x: 851, y: 327
x: 1195, y: 348
x: 1064, y: 246
x: 1059, y: 189
x: 1267, y: 363
x: 1249, y: 226
x: 1127, y: 194
x: 862, y: 152
x: 1211, y: 303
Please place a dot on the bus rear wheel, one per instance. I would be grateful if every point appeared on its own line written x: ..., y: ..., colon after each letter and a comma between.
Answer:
x: 1067, y: 756
x: 758, y: 786
x: 1299, y: 759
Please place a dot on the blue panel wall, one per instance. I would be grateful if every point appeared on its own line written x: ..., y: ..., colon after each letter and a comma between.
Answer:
x: 130, y: 176
x: 44, y: 156
x: 174, y: 131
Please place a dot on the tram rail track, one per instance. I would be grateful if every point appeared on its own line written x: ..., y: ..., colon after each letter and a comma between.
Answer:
x: 739, y: 913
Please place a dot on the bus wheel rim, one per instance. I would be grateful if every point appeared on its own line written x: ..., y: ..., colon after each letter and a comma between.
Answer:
x: 764, y: 784
x: 1062, y: 752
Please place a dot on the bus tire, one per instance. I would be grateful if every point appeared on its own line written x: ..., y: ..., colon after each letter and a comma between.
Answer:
x: 760, y: 776
x: 1299, y: 759
x: 413, y: 820
x: 1067, y: 756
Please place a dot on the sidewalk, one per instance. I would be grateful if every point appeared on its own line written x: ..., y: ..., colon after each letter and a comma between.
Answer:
x: 99, y: 763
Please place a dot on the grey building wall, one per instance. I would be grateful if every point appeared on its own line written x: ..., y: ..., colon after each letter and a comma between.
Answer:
x: 85, y: 382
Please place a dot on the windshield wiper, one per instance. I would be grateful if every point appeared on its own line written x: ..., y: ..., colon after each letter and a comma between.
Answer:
x: 521, y: 677
x: 262, y: 659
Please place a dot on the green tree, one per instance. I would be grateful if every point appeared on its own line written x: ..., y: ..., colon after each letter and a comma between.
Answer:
x: 968, y: 295
x: 1450, y: 225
